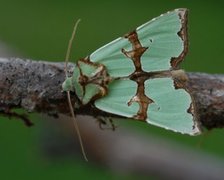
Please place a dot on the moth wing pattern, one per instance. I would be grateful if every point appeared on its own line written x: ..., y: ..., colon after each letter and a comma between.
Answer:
x: 157, y: 46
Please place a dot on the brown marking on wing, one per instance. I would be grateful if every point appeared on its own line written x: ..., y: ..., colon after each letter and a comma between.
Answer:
x: 191, y: 109
x: 141, y: 99
x: 136, y: 52
x: 197, y: 126
x: 183, y: 15
x: 82, y: 79
x: 135, y: 55
x: 180, y: 81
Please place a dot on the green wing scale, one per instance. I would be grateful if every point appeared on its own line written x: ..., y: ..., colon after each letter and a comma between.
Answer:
x: 133, y: 76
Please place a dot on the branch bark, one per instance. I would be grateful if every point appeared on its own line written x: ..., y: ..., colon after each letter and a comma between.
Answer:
x: 36, y: 86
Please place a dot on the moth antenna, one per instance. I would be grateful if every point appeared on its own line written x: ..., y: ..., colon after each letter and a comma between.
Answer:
x: 76, y: 126
x: 70, y: 47
x: 68, y: 92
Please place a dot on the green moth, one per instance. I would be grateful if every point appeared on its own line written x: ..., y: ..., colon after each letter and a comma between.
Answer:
x: 136, y: 76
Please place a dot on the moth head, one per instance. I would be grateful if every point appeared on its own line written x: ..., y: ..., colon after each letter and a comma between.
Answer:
x: 67, y: 84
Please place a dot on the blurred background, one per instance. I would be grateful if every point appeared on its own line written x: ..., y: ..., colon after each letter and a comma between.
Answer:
x: 40, y: 30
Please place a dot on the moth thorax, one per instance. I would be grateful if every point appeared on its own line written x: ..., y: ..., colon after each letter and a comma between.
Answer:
x: 83, y: 80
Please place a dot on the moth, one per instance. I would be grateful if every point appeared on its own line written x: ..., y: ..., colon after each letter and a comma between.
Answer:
x: 137, y: 76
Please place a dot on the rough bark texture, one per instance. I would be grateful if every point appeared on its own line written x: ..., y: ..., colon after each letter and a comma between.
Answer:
x: 36, y: 86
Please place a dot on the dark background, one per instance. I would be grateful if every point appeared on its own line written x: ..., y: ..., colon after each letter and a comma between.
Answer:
x: 41, y: 29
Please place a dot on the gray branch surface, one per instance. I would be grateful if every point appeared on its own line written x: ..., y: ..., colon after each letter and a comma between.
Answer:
x: 36, y: 86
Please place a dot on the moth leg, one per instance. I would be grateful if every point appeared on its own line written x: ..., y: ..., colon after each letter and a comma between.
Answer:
x: 113, y: 126
x: 103, y: 121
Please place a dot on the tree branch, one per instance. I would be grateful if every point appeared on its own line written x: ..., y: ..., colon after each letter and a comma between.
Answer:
x: 36, y: 86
